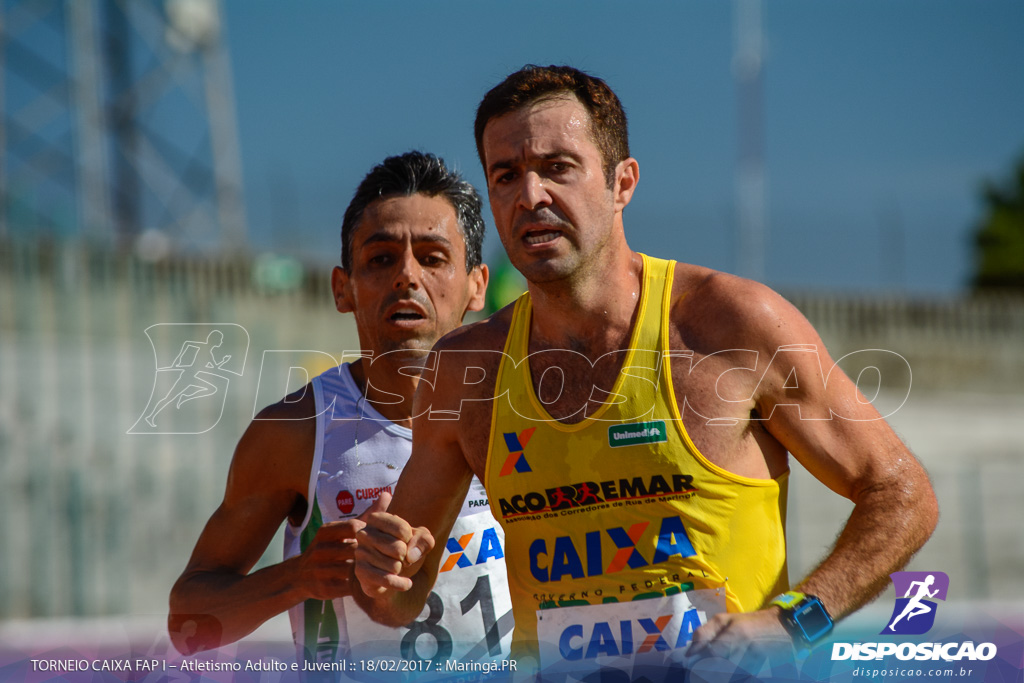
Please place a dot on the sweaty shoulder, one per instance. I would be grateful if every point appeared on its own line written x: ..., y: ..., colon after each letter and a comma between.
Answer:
x: 462, y: 379
x: 469, y: 357
x: 714, y: 311
x: 488, y: 334
x: 274, y: 456
x: 456, y: 393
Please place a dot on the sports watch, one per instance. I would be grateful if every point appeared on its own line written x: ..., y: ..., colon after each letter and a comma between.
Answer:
x: 804, y: 617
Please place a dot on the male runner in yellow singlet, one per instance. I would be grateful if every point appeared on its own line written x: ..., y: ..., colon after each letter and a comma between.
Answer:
x: 645, y: 409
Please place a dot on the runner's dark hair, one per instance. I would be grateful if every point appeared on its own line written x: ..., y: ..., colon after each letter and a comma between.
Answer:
x: 532, y: 83
x: 417, y: 173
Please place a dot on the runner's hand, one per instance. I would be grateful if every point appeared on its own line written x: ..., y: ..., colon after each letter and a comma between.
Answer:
x: 325, y: 567
x: 730, y: 634
x: 389, y: 551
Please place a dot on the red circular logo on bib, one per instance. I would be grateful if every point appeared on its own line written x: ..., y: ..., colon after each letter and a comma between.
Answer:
x: 345, y: 502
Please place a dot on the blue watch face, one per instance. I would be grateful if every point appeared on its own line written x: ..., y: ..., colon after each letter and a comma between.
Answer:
x: 812, y: 620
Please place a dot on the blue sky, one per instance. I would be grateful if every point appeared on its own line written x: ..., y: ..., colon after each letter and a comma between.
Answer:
x: 880, y: 119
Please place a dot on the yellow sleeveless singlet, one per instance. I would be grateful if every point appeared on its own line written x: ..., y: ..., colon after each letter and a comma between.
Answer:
x: 622, y: 506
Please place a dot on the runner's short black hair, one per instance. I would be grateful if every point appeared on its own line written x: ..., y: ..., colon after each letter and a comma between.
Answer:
x: 417, y: 173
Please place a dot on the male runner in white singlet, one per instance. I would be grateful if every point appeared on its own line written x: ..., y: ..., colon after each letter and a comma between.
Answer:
x: 411, y: 269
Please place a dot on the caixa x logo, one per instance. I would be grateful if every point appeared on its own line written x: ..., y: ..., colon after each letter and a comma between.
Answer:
x: 914, y: 613
x: 516, y: 444
x: 461, y: 548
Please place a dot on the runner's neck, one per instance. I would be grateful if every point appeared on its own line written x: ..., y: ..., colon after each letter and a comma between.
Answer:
x: 386, y: 380
x: 592, y: 317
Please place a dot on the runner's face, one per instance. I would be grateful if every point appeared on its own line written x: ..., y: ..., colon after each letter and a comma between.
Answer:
x: 407, y: 284
x: 545, y: 180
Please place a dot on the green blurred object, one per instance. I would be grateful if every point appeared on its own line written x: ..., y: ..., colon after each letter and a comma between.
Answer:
x: 999, y: 239
x: 276, y: 274
x: 506, y: 284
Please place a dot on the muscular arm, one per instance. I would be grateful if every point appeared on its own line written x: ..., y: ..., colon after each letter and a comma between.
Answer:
x: 837, y: 435
x: 216, y: 600
x: 446, y: 453
x: 397, y: 558
x: 857, y: 455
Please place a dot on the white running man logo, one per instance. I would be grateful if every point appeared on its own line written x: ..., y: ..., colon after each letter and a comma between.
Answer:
x: 194, y: 363
x: 915, y: 606
x: 196, y: 385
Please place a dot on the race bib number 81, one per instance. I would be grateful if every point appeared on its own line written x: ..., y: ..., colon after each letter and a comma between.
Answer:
x: 468, y: 615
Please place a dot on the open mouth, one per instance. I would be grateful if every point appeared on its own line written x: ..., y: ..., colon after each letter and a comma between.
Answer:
x: 406, y: 314
x: 535, y: 237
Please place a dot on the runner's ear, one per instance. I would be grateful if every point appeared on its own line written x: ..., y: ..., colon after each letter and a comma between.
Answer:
x: 627, y: 175
x: 477, y: 287
x: 342, y: 289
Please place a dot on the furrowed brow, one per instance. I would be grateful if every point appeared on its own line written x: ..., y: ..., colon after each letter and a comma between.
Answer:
x: 431, y: 238
x: 381, y: 238
x: 499, y: 166
x: 387, y: 238
x: 563, y: 154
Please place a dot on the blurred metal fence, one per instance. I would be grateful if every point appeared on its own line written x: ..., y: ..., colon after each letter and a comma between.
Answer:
x: 958, y: 344
x: 95, y: 520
